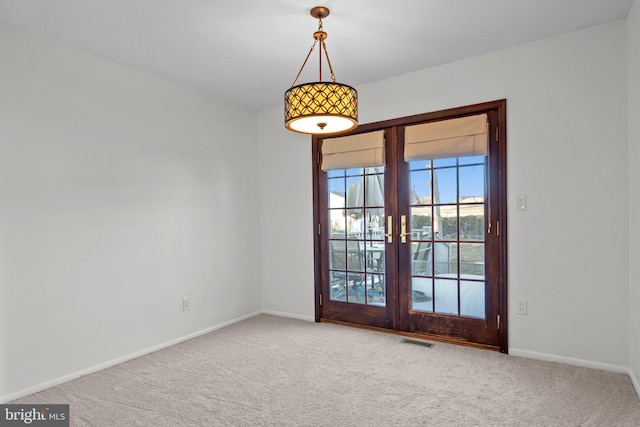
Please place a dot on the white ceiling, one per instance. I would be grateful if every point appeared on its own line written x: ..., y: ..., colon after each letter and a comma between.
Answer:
x: 249, y: 51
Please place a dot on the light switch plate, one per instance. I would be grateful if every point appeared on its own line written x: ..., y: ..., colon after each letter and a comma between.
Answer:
x: 521, y: 203
x: 521, y: 308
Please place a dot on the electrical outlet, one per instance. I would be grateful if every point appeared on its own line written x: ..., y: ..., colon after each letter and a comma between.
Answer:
x: 521, y: 308
x: 186, y: 304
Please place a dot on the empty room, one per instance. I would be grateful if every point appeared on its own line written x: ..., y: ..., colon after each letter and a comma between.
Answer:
x: 340, y: 213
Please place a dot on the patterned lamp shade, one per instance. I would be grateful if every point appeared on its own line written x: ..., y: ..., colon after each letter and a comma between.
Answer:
x: 321, y: 108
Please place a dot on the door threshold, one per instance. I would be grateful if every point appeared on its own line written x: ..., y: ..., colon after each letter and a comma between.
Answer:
x: 415, y: 335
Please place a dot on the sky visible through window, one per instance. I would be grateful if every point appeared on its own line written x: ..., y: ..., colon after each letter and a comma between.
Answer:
x: 471, y: 178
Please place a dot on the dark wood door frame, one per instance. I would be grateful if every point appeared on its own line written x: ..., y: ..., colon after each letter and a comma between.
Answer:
x: 499, y: 189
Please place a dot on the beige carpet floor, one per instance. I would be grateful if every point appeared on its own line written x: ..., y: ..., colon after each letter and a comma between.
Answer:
x: 271, y: 371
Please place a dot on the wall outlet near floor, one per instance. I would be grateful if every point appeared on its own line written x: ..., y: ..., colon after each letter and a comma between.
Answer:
x: 186, y: 304
x: 521, y: 307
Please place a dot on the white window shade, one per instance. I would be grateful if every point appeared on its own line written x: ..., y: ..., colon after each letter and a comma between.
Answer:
x: 364, y: 150
x: 466, y: 136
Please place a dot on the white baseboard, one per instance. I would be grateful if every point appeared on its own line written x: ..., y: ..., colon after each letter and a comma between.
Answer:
x: 578, y: 362
x: 77, y: 374
x: 568, y: 361
x: 635, y: 383
x: 289, y: 315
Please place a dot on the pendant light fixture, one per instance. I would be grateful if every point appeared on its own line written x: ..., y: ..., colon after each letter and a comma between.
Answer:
x: 320, y: 107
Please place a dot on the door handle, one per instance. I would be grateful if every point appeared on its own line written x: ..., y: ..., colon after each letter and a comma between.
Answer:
x: 403, y: 229
x: 389, y: 233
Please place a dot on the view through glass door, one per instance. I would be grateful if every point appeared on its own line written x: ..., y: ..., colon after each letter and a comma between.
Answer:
x: 447, y: 236
x: 414, y: 244
x: 356, y: 239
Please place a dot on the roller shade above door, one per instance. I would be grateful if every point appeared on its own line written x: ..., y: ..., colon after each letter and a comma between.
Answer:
x: 465, y: 136
x: 364, y: 150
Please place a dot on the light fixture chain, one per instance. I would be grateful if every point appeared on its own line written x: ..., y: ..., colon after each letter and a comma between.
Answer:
x: 326, y: 53
x: 305, y: 63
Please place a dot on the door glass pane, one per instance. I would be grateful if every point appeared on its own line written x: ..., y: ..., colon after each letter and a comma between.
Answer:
x: 447, y: 204
x: 420, y: 184
x: 337, y: 214
x: 472, y: 260
x: 448, y: 228
x: 472, y: 222
x: 338, y: 285
x: 472, y: 301
x: 374, y: 224
x: 356, y: 242
x: 374, y: 257
x: 337, y: 259
x: 421, y: 223
x: 422, y: 294
x: 445, y: 256
x: 472, y: 184
x: 337, y: 186
x: 446, y: 296
x: 469, y: 160
x: 419, y: 164
x: 421, y: 259
x: 438, y: 163
x: 356, y: 292
x: 445, y: 186
x: 337, y: 218
x: 354, y: 223
x: 374, y: 186
x: 355, y: 192
x: 355, y: 257
x: 337, y: 222
x: 352, y: 172
x: 376, y: 289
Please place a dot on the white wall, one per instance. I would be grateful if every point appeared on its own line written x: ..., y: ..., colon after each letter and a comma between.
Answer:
x: 567, y: 148
x: 286, y: 220
x: 120, y: 193
x: 633, y: 27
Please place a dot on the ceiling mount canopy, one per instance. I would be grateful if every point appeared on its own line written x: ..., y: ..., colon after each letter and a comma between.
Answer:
x: 320, y: 107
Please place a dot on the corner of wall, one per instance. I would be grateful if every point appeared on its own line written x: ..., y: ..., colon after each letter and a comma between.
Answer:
x: 633, y: 99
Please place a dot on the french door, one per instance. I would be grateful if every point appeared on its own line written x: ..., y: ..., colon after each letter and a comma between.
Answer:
x: 414, y: 240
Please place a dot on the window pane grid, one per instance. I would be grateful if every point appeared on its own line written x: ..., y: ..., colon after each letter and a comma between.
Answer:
x: 447, y: 229
x: 356, y: 242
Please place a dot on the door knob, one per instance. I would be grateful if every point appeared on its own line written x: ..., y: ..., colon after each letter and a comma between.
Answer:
x: 403, y: 229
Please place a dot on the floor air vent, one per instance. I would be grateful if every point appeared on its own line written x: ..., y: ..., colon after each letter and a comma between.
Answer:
x: 417, y: 342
